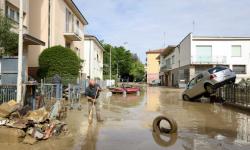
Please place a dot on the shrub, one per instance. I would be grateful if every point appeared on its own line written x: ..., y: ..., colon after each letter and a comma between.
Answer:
x: 59, y: 60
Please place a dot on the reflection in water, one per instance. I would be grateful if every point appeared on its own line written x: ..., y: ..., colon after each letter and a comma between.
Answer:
x: 243, y: 130
x: 153, y: 99
x: 91, y: 137
x: 162, y: 141
x: 200, y: 125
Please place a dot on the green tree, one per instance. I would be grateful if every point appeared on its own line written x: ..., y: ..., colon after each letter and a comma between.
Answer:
x: 59, y: 60
x: 8, y: 39
x: 137, y: 71
x: 127, y: 63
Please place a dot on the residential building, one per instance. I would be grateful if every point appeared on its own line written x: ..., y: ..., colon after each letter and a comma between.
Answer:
x: 8, y: 65
x: 153, y: 66
x: 93, y: 58
x: 58, y: 22
x: 195, y: 54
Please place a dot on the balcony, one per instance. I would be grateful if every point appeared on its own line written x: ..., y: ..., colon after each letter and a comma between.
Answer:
x: 208, y: 59
x: 73, y: 35
x: 165, y: 67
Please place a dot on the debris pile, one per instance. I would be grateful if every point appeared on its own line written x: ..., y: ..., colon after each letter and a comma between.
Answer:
x: 31, y: 126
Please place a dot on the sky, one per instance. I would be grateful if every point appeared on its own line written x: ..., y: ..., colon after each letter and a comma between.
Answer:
x: 140, y: 25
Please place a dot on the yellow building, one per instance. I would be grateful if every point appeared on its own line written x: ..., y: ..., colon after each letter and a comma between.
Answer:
x: 153, y: 66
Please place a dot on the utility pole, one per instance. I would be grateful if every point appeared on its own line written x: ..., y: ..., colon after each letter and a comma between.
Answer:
x: 117, y: 70
x: 20, y: 54
x: 110, y: 67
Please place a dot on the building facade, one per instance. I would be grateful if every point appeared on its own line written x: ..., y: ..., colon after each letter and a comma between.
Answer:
x: 8, y: 65
x: 57, y: 22
x: 195, y: 54
x: 152, y: 65
x: 93, y: 58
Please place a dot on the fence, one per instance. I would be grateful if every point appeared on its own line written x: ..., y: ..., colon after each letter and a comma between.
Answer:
x: 235, y: 94
x: 7, y: 92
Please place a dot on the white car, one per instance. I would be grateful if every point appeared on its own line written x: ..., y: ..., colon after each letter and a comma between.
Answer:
x: 208, y: 81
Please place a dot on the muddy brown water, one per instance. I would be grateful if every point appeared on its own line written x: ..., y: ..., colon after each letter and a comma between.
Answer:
x: 128, y: 125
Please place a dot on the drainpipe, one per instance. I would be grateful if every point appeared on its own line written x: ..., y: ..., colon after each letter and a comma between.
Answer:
x: 49, y: 11
x: 90, y: 49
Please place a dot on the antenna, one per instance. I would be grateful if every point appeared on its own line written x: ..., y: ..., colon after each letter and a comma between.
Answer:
x: 164, y: 40
x: 193, y: 26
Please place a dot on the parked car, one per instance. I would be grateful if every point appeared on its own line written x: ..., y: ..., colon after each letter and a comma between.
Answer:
x: 155, y: 83
x: 208, y: 81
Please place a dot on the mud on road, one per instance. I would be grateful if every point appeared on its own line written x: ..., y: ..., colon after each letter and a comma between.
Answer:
x: 128, y: 125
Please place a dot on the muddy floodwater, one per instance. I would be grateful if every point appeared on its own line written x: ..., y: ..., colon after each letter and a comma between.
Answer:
x: 128, y: 125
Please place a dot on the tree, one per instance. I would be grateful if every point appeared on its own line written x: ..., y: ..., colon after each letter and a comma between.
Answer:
x: 59, y: 60
x: 137, y: 71
x: 128, y: 64
x: 8, y: 39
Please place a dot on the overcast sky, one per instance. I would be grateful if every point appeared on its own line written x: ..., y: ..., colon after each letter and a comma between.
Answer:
x: 142, y: 23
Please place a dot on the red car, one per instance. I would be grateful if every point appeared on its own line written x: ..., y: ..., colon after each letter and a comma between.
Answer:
x: 128, y: 90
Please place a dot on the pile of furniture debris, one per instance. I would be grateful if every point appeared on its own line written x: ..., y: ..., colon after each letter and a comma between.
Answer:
x: 31, y: 126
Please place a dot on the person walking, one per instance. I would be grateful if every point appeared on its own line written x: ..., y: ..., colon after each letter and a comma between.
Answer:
x: 92, y: 93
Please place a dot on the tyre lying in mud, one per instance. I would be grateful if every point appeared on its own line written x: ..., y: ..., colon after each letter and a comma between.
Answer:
x: 157, y: 125
x: 167, y: 141
x: 169, y: 132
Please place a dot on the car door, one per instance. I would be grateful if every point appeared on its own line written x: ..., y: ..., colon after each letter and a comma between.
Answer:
x: 191, y: 88
x: 200, y: 84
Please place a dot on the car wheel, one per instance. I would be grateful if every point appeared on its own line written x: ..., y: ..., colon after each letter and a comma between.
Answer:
x: 186, y: 97
x: 209, y: 88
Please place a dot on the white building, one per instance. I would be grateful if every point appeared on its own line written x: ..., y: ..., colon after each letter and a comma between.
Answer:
x: 198, y: 53
x: 93, y: 58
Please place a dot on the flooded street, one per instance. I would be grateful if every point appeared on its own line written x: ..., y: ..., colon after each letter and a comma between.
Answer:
x: 128, y: 125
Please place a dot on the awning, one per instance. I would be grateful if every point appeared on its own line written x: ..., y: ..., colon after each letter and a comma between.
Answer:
x: 30, y: 40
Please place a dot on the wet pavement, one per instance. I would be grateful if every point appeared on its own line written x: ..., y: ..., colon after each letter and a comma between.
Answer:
x: 128, y: 125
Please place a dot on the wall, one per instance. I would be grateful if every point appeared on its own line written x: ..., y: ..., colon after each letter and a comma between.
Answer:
x: 39, y: 28
x: 153, y: 67
x: 222, y: 48
x: 185, y: 51
x: 92, y: 67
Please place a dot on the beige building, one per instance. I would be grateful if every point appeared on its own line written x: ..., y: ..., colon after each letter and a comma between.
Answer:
x: 153, y: 66
x: 10, y: 9
x: 57, y: 22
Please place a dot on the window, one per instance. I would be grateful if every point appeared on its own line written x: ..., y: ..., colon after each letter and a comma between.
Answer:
x: 173, y: 59
x: 216, y: 69
x: 203, y: 53
x: 69, y: 19
x: 12, y: 13
x: 239, y: 69
x: 191, y: 83
x: 77, y: 27
x: 199, y: 77
x: 236, y: 51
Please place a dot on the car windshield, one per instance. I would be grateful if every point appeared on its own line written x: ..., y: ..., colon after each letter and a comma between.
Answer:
x: 216, y: 69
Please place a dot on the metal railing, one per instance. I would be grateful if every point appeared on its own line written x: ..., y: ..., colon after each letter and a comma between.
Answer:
x: 7, y: 93
x: 208, y: 59
x: 235, y: 94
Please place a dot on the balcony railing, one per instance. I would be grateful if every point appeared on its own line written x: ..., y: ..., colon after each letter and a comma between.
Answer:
x: 73, y: 34
x: 208, y: 59
x: 165, y: 67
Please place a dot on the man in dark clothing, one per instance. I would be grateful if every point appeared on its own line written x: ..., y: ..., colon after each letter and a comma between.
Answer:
x: 92, y: 93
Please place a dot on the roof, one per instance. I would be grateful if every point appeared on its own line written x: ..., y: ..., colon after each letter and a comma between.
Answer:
x: 168, y: 50
x: 94, y: 38
x: 73, y: 6
x: 157, y: 51
x: 220, y: 38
